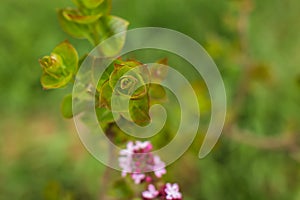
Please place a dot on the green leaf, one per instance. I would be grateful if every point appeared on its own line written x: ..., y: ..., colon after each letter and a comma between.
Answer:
x: 104, y: 8
x: 105, y: 76
x: 52, y: 65
x: 81, y: 59
x: 74, y: 29
x: 104, y: 116
x: 116, y: 75
x: 66, y: 107
x: 107, y: 27
x: 76, y: 16
x: 105, y: 95
x: 69, y: 56
x: 59, y: 67
x: 49, y: 82
x: 103, y: 79
x: 157, y: 93
x: 139, y: 110
x: 124, y: 79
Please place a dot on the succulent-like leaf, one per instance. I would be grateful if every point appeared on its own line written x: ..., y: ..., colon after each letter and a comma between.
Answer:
x: 104, y: 116
x: 105, y: 95
x: 74, y: 29
x: 68, y: 55
x: 104, y: 8
x: 78, y: 17
x: 49, y: 82
x: 107, y: 27
x: 125, y: 79
x: 157, y: 94
x: 59, y: 67
x: 139, y: 110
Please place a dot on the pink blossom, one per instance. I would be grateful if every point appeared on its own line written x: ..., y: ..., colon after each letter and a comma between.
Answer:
x: 151, y: 193
x: 145, y: 146
x: 138, y: 178
x: 137, y: 158
x: 129, y: 150
x: 172, y: 192
x: 159, y: 167
x: 125, y: 164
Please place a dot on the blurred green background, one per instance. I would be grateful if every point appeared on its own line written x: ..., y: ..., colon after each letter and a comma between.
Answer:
x: 41, y: 156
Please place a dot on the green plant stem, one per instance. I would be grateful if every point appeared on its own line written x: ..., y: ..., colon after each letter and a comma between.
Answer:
x: 106, y: 177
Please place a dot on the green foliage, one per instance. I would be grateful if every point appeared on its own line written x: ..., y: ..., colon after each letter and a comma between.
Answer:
x: 123, y: 82
x: 232, y: 171
x: 60, y: 67
x: 91, y: 21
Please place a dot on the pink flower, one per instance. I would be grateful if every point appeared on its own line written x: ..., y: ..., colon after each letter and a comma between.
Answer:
x: 172, y: 192
x: 129, y: 150
x: 144, y: 146
x: 137, y: 159
x: 151, y: 193
x: 125, y: 164
x: 138, y: 178
x: 159, y: 167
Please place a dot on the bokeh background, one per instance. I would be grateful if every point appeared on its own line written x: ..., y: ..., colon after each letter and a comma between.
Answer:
x: 256, y: 46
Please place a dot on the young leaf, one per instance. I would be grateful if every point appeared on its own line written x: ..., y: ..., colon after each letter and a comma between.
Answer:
x: 104, y: 8
x: 157, y: 94
x: 105, y: 95
x: 104, y: 116
x: 59, y: 67
x: 69, y: 56
x: 107, y: 27
x: 74, y: 29
x: 139, y: 110
x: 49, y: 82
x: 124, y: 79
x: 77, y: 17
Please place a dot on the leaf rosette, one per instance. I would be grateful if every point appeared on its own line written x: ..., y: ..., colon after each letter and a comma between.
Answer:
x: 128, y: 80
x: 60, y: 67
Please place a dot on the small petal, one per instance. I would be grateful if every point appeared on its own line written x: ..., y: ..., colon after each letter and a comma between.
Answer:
x: 138, y: 178
x: 151, y: 193
x: 172, y: 191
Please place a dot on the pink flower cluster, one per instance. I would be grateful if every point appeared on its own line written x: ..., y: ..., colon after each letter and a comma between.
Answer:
x: 167, y: 192
x: 138, y: 161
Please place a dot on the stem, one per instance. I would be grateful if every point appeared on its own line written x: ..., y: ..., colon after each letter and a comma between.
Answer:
x: 106, y: 177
